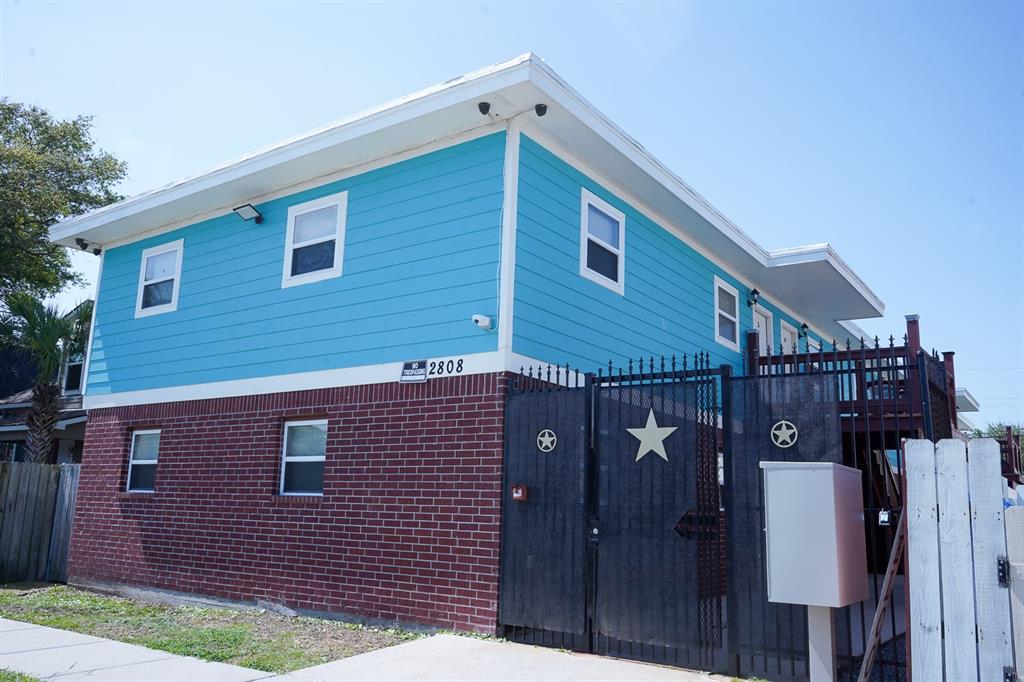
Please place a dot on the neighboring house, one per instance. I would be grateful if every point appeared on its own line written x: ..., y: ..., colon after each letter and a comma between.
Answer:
x: 248, y: 435
x: 965, y: 402
x: 17, y: 374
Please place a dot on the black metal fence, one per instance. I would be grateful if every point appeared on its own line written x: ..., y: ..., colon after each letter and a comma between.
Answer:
x: 858, y: 402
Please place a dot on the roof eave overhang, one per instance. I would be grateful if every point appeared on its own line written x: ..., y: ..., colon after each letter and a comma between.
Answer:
x: 966, y: 402
x: 811, y: 280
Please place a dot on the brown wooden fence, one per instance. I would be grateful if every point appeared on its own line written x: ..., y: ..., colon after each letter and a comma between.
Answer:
x: 37, y: 507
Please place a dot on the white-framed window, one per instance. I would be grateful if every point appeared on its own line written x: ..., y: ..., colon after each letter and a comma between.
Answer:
x: 159, y: 279
x: 727, y: 314
x: 142, y: 461
x: 602, y: 242
x: 315, y: 243
x: 302, y: 457
x: 789, y: 337
x: 71, y: 382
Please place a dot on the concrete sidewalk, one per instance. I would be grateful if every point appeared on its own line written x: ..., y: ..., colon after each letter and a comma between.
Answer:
x: 49, y: 653
x: 63, y: 656
x: 450, y: 658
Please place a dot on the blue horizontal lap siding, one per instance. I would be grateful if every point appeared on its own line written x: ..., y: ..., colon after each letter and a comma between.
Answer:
x: 560, y: 316
x: 421, y: 257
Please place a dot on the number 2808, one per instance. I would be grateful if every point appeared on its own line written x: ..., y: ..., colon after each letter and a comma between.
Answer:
x: 440, y: 368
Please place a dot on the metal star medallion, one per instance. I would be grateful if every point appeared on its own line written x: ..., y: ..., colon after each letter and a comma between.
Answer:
x: 546, y: 440
x: 652, y: 438
x: 784, y: 434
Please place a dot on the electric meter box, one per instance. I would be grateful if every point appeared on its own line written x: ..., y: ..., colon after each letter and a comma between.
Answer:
x: 814, y: 533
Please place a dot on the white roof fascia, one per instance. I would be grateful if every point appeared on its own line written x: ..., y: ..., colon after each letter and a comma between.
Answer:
x: 388, y: 114
x: 523, y: 69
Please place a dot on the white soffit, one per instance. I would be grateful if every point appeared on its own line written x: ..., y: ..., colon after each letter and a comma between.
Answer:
x: 812, y: 279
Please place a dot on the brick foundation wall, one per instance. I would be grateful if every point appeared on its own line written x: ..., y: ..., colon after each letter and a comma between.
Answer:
x: 407, y: 528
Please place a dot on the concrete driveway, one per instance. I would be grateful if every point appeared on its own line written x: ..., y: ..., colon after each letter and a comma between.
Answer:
x: 450, y: 658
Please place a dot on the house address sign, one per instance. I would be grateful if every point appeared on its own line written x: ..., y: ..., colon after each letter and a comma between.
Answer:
x: 418, y: 371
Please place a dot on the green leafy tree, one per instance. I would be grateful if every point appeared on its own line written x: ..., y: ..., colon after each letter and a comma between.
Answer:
x: 49, y: 170
x: 49, y: 337
x: 997, y: 430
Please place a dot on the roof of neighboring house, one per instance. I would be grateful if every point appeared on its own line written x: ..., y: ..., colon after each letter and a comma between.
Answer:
x: 965, y: 402
x: 16, y: 399
x: 812, y: 279
x: 17, y: 372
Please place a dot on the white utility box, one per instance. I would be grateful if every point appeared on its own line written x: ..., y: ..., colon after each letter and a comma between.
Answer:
x: 814, y: 532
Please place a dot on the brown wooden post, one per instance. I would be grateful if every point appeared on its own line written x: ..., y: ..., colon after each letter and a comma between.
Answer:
x: 947, y: 362
x: 913, y: 334
x: 753, y: 351
x: 914, y: 377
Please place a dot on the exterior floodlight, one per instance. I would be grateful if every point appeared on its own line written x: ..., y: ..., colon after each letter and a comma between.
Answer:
x: 248, y: 212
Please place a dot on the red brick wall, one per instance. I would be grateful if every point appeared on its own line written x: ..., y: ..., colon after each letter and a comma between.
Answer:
x: 407, y: 528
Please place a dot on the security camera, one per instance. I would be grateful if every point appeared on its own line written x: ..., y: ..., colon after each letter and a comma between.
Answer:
x: 97, y: 251
x: 482, y: 321
x: 541, y: 109
x: 484, y: 107
x: 82, y: 244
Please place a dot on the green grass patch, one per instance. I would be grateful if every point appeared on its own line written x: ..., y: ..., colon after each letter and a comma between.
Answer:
x: 253, y: 639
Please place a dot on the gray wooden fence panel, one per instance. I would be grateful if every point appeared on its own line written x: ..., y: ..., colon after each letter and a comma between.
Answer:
x: 28, y: 496
x: 923, y: 561
x: 63, y: 518
x: 959, y: 623
x: 988, y: 535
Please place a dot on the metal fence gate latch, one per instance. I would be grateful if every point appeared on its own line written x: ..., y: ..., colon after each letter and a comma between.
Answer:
x: 1009, y: 675
x: 1003, y: 571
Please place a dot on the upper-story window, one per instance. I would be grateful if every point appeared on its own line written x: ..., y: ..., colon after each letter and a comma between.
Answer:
x: 315, y: 241
x: 72, y: 381
x: 159, y: 276
x: 727, y: 314
x: 602, y: 242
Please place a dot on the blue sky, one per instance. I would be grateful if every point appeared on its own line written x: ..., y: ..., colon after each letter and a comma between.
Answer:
x: 891, y: 130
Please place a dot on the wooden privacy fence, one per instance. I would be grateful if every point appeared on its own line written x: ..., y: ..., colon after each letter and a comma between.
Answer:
x: 959, y: 597
x: 37, y: 507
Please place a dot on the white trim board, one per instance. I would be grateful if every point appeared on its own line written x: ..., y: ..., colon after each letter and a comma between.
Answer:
x: 509, y: 217
x: 473, y: 363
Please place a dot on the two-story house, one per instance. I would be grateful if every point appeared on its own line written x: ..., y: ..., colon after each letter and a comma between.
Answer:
x: 250, y: 434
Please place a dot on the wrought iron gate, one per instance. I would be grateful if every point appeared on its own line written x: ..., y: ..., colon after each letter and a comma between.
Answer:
x: 633, y: 514
x: 612, y: 537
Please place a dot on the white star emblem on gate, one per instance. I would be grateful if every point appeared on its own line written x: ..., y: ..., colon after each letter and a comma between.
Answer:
x: 784, y: 434
x: 652, y: 438
x: 546, y: 440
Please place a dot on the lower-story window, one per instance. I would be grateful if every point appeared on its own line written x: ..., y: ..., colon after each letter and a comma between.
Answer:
x: 142, y: 461
x: 302, y: 457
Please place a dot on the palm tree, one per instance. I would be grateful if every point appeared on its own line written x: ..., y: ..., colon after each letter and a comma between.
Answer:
x: 49, y: 337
